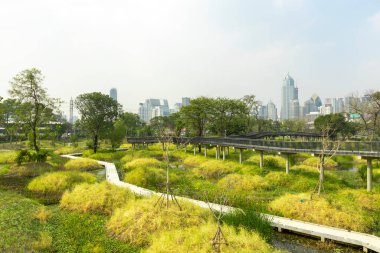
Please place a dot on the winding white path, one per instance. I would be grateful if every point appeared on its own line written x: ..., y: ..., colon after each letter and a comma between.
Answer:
x: 324, y: 232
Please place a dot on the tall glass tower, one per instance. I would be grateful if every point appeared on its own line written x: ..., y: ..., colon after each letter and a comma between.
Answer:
x: 288, y: 93
x: 113, y: 94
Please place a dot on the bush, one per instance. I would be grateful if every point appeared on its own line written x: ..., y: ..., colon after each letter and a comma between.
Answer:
x: 56, y: 183
x: 146, y: 177
x: 317, y: 210
x: 198, y: 239
x: 96, y: 198
x: 31, y: 169
x: 243, y: 183
x: 136, y: 222
x: 83, y: 164
x: 142, y: 163
x: 194, y: 161
x: 315, y: 162
x: 214, y: 169
x: 24, y: 156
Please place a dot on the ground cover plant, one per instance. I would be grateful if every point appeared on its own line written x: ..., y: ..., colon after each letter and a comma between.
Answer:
x: 83, y: 164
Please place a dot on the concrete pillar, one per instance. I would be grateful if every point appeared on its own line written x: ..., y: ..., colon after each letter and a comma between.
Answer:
x: 369, y: 174
x: 224, y: 153
x: 195, y: 149
x: 241, y: 156
x: 228, y: 150
x: 205, y: 150
x: 133, y: 146
x: 216, y: 152
x: 287, y: 163
x: 261, y: 158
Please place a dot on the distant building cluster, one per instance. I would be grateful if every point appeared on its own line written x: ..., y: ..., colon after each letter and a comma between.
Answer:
x: 159, y: 107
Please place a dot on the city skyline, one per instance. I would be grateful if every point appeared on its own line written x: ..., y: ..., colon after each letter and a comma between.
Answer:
x: 169, y: 49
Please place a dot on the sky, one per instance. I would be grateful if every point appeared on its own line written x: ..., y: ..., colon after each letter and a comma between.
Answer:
x: 189, y: 48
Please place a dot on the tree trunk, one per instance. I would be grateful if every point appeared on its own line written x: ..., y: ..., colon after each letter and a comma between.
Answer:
x: 95, y: 143
x: 321, y: 174
x: 35, y: 139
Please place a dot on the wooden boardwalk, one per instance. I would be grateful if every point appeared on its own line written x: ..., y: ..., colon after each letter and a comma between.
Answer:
x: 368, y: 242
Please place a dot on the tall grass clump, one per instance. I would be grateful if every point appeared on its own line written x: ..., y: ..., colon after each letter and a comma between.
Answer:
x: 317, y: 210
x: 314, y: 162
x: 31, y: 169
x: 147, y: 177
x: 67, y: 150
x: 55, y: 183
x: 194, y: 161
x: 216, y: 169
x: 270, y: 161
x: 100, y: 198
x: 198, y: 239
x: 142, y: 163
x: 139, y: 220
x: 243, y: 183
x: 83, y: 164
x: 7, y: 157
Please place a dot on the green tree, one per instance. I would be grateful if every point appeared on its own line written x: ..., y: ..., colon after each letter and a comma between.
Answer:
x: 35, y: 106
x: 98, y: 114
x: 117, y: 134
x: 196, y: 115
x: 132, y: 123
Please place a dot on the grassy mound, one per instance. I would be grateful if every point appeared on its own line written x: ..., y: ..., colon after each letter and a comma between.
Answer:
x: 136, y: 222
x: 146, y: 177
x: 31, y: 169
x: 142, y: 163
x: 214, y: 169
x: 194, y: 161
x: 315, y: 162
x: 56, y: 183
x: 242, y: 183
x: 67, y: 150
x: 7, y: 156
x: 96, y: 198
x: 198, y: 239
x: 83, y: 164
x: 317, y: 210
x: 269, y: 161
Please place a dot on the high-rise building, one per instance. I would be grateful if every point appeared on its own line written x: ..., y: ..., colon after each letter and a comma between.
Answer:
x: 71, y: 115
x: 153, y: 108
x: 289, y: 93
x: 263, y: 112
x: 113, y: 94
x: 185, y: 101
x: 272, y: 111
x: 294, y: 109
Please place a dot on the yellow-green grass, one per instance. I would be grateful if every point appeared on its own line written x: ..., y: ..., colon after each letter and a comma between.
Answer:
x: 194, y: 161
x: 55, y: 183
x: 198, y: 239
x: 100, y: 198
x: 31, y: 169
x: 148, y: 177
x: 214, y: 169
x: 318, y: 210
x: 269, y: 161
x: 142, y: 163
x: 243, y: 183
x: 315, y: 162
x: 83, y: 164
x: 7, y: 157
x: 139, y: 220
x: 67, y: 150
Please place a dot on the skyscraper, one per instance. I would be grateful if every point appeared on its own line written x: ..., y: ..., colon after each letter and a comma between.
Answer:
x: 113, y: 94
x: 71, y: 115
x: 272, y: 111
x: 185, y: 101
x: 289, y: 93
x: 153, y: 108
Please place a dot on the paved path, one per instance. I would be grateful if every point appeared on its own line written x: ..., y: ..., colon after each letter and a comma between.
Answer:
x: 324, y: 232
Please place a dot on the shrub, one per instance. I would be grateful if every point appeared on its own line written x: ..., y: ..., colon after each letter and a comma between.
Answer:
x: 362, y: 199
x: 96, y: 198
x: 56, y: 183
x: 83, y: 164
x: 136, y: 222
x: 24, y: 156
x: 317, y: 210
x: 142, y: 163
x: 242, y: 183
x: 198, y: 239
x: 7, y: 157
x: 315, y: 162
x: 146, y: 177
x: 216, y: 169
x: 31, y: 169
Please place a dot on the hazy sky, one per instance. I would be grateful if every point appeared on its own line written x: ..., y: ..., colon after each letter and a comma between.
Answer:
x: 171, y: 49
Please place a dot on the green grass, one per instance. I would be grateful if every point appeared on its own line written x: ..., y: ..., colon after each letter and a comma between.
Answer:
x: 82, y: 164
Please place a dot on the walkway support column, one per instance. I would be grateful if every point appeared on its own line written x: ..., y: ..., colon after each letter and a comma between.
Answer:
x: 287, y: 156
x: 261, y: 159
x: 369, y: 174
x: 205, y: 150
x: 240, y: 155
x: 224, y: 153
x: 216, y: 152
x: 195, y: 149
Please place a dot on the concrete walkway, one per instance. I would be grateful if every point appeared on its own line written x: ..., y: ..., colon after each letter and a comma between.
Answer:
x: 368, y: 242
